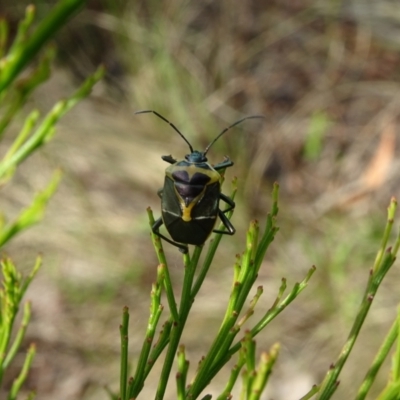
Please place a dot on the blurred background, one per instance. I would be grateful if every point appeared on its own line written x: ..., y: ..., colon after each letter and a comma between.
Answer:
x: 325, y: 74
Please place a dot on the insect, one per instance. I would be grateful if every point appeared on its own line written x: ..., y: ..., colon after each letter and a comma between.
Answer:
x: 191, y: 195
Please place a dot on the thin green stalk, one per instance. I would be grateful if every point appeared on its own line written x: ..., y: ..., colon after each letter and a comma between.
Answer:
x: 270, y: 229
x: 329, y: 385
x: 263, y: 373
x: 232, y: 379
x: 378, y: 361
x: 27, y: 281
x: 157, y: 242
x: 30, y: 122
x: 250, y: 310
x: 23, y: 28
x: 212, y: 248
x: 169, y: 292
x: 227, y: 331
x: 391, y: 212
x: 155, y: 312
x: 14, y: 288
x: 19, y: 337
x: 4, y: 31
x: 397, y: 244
x: 383, y: 262
x: 33, y: 213
x: 183, y: 366
x: 314, y: 390
x: 177, y: 329
x: 46, y: 129
x: 123, y: 384
x: 158, y: 348
x: 248, y: 277
x: 391, y: 392
x: 18, y: 382
x: 201, y: 378
x: 276, y: 309
x: 23, y: 53
x: 396, y: 357
x: 24, y: 87
x: 241, y: 288
x: 250, y: 351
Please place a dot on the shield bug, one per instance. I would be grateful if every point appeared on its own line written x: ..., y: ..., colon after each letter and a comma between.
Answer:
x: 191, y: 194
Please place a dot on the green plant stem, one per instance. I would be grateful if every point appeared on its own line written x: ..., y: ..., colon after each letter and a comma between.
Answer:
x: 246, y: 276
x: 378, y: 361
x: 263, y: 373
x: 19, y: 337
x: 239, y: 295
x: 162, y: 342
x: 18, y: 382
x: 4, y: 31
x: 232, y: 379
x: 278, y: 306
x: 14, y: 288
x: 395, y: 373
x: 169, y: 292
x: 33, y: 213
x: 214, y: 243
x: 270, y: 229
x: 46, y: 129
x: 329, y: 384
x: 23, y: 88
x: 389, y: 225
x: 124, y: 353
x: 30, y: 122
x: 177, y: 329
x: 276, y: 309
x: 164, y: 268
x: 183, y: 366
x: 311, y: 393
x: 157, y: 242
x: 155, y: 312
x: 23, y: 54
x: 383, y: 262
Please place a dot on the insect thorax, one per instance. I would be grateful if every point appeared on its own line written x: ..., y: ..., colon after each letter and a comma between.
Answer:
x: 190, y: 182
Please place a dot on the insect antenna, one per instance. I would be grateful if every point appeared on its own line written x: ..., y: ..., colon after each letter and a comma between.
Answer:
x: 170, y: 123
x: 229, y: 127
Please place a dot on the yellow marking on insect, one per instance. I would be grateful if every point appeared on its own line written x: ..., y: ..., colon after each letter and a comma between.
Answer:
x: 187, y: 211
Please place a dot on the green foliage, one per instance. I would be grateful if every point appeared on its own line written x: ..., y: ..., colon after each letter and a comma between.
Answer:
x: 14, y: 93
x: 13, y: 289
x: 27, y: 43
x: 383, y: 262
x: 226, y: 344
x: 32, y: 214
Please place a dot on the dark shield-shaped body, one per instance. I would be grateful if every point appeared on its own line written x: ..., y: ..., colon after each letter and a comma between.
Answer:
x: 190, y: 201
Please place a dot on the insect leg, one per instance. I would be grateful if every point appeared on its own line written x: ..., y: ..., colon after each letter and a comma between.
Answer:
x: 228, y: 225
x: 229, y: 201
x: 160, y: 194
x: 224, y: 164
x: 156, y: 230
x: 169, y: 159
